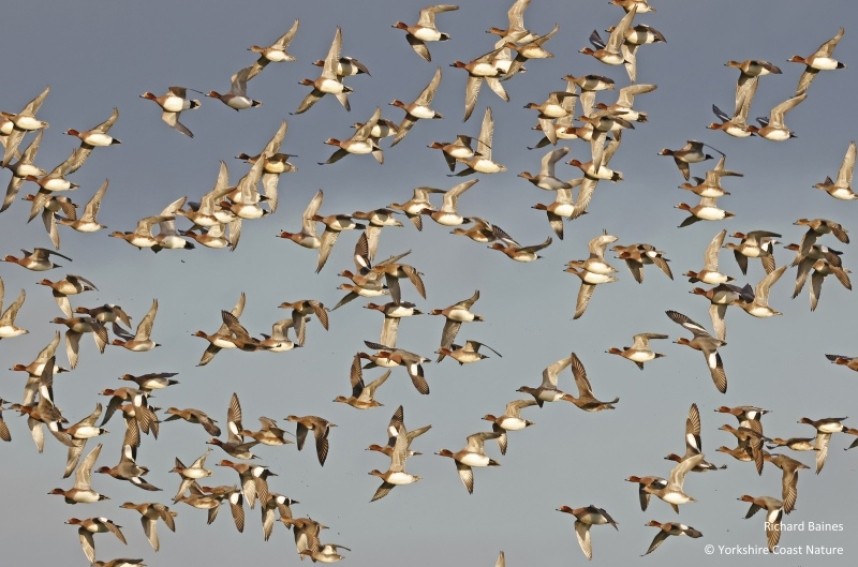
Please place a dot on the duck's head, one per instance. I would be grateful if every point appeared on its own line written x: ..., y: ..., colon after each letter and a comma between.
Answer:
x: 653, y: 524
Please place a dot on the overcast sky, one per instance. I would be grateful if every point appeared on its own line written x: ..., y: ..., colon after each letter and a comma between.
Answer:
x: 98, y: 55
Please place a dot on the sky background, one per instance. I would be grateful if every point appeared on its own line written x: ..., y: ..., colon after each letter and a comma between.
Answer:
x: 97, y: 55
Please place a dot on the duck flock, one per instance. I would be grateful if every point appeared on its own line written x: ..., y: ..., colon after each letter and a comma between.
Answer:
x: 383, y: 165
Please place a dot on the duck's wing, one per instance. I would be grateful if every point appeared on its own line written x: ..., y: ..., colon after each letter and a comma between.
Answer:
x: 375, y: 384
x: 329, y: 69
x: 598, y: 244
x: 585, y: 195
x: 537, y: 247
x: 656, y: 541
x: 815, y: 288
x: 550, y: 159
x: 710, y: 258
x: 789, y: 489
x: 451, y: 197
x: 427, y: 15
x: 641, y: 340
x: 716, y: 369
x: 550, y: 374
x: 385, y: 487
x: 677, y: 474
x: 150, y: 528
x: 329, y: 238
x: 428, y: 93
x: 72, y: 347
x: 364, y: 131
x: 309, y: 225
x: 15, y: 138
x: 515, y: 15
x: 15, y: 182
x: 172, y: 120
x: 356, y: 377
x: 284, y: 40
x: 717, y: 313
x: 686, y: 322
x: 83, y: 476
x: 580, y: 375
x: 90, y: 212
x: 585, y: 293
x: 617, y: 37
x: 513, y: 408
x: 582, y: 531
x: 626, y: 95
x: 309, y: 100
x: 761, y: 293
x: 487, y: 130
x: 847, y: 168
x: 630, y: 60
x: 448, y: 334
x: 400, y: 450
x: 144, y: 329
x: 827, y: 48
x: 12, y: 311
x: 821, y: 445
x: 322, y: 444
x: 397, y: 419
x: 746, y: 88
x: 105, y: 126
x: 475, y: 346
x: 415, y: 372
x: 693, y: 443
x: 233, y: 420
x: 776, y: 118
x: 773, y: 526
x: 273, y: 145
x: 419, y: 47
x: 472, y: 91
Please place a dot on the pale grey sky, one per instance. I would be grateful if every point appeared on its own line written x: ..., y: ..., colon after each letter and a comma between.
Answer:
x: 98, y: 55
